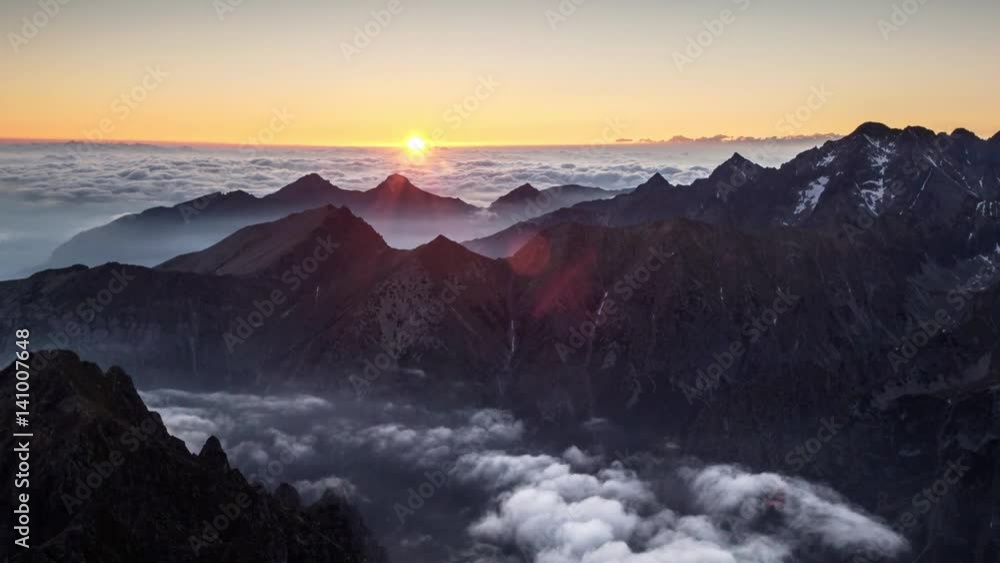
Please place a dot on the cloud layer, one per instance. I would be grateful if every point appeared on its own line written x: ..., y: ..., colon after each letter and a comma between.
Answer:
x: 553, y: 514
x: 51, y: 191
x: 478, y: 485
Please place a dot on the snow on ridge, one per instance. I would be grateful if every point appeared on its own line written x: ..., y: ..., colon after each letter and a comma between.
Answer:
x: 874, y: 197
x: 812, y: 194
x: 988, y: 209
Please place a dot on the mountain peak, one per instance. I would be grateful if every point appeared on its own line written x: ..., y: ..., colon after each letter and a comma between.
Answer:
x: 872, y: 129
x: 518, y: 195
x: 995, y: 138
x: 396, y: 183
x: 735, y: 170
x: 213, y: 454
x: 656, y: 182
x: 739, y: 161
x: 441, y: 242
x: 443, y: 254
x: 964, y: 133
x: 309, y: 188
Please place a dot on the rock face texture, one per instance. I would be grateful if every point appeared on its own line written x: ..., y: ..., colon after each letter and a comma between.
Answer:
x: 947, y: 184
x: 837, y: 318
x: 526, y: 201
x: 109, y: 484
x: 396, y: 206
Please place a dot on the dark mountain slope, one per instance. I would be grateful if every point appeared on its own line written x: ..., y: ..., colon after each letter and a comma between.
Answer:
x: 527, y: 201
x: 277, y: 246
x: 634, y: 324
x: 399, y: 208
x: 948, y: 184
x: 154, y: 502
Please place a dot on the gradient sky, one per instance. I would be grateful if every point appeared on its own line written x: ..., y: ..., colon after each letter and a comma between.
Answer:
x: 611, y: 60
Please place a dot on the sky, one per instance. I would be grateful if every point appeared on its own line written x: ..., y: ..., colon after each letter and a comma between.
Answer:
x: 512, y: 72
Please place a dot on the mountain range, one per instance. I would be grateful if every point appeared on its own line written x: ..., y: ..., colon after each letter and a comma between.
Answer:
x: 403, y: 213
x: 949, y: 182
x: 859, y: 282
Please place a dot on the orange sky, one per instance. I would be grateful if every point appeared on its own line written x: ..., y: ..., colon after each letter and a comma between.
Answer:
x: 491, y: 73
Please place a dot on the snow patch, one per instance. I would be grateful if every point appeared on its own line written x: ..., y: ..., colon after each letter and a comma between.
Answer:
x: 812, y: 194
x: 988, y: 209
x: 874, y: 196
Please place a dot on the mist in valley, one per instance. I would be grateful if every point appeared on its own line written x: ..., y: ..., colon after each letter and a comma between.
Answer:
x: 466, y: 484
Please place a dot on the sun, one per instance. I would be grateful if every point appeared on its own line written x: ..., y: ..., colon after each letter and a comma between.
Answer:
x: 416, y: 144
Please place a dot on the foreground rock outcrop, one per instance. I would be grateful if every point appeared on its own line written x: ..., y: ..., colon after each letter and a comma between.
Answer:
x: 109, y: 484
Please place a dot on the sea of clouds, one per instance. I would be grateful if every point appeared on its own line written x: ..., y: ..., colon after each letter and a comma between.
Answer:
x: 468, y: 485
x: 51, y: 191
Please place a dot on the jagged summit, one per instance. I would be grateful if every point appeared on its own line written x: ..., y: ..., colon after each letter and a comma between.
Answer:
x: 213, y: 455
x: 738, y: 162
x: 396, y: 183
x: 518, y: 195
x: 965, y: 134
x: 331, y: 232
x: 309, y: 188
x: 441, y: 246
x: 655, y: 182
x: 872, y: 129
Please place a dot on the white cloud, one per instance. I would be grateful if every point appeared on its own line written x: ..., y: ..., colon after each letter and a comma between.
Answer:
x: 555, y: 515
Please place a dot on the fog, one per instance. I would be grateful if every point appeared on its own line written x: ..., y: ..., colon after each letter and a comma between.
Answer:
x: 52, y: 191
x: 480, y: 485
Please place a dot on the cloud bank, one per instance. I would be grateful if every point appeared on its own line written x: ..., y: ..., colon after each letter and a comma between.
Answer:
x: 503, y: 495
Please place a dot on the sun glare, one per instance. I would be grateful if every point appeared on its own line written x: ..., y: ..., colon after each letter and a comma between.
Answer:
x: 416, y: 144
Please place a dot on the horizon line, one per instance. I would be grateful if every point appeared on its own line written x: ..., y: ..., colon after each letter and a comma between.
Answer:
x: 676, y: 140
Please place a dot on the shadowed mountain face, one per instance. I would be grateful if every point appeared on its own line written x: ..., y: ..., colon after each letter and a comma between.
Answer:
x: 737, y: 336
x: 527, y: 201
x: 108, y: 483
x: 276, y: 246
x: 399, y: 210
x: 949, y: 184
